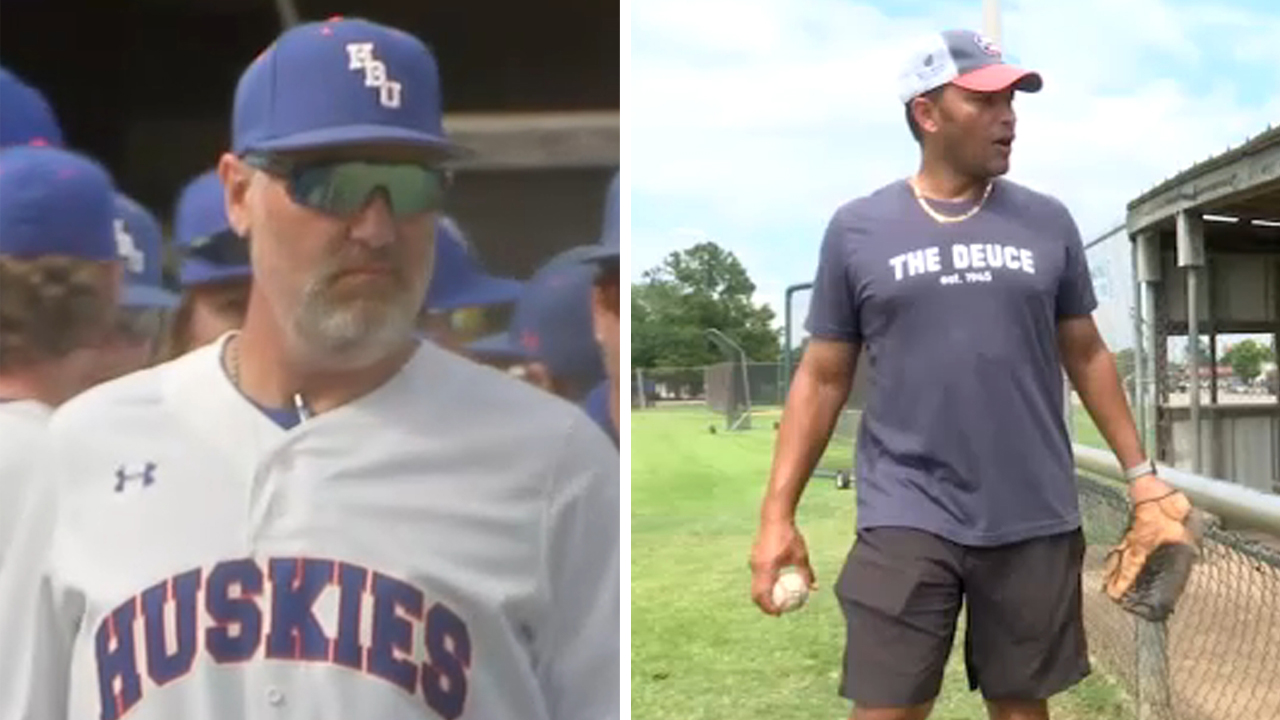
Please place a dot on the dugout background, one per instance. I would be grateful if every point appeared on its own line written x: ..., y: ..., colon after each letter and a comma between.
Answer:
x: 146, y: 87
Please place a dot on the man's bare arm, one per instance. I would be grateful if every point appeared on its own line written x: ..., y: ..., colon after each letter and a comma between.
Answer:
x: 1092, y: 370
x: 818, y: 392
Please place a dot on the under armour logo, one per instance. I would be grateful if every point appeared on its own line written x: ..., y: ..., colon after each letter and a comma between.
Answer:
x: 146, y: 477
x: 375, y: 73
x: 128, y: 250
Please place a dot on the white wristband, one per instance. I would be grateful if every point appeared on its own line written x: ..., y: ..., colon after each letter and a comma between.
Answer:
x: 1146, y: 467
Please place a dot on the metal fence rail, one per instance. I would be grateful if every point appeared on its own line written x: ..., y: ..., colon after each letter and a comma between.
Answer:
x: 1218, y: 656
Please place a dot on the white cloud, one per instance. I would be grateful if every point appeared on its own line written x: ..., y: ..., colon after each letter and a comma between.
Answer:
x: 758, y: 118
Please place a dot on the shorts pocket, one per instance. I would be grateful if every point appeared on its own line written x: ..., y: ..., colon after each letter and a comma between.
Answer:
x: 876, y: 582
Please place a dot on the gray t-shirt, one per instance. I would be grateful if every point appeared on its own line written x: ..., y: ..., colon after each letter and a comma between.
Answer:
x: 963, y: 435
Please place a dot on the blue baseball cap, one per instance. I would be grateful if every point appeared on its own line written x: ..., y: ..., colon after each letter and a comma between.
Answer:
x: 200, y: 215
x: 552, y: 321
x: 458, y: 280
x: 596, y: 406
x: 26, y: 118
x: 55, y: 202
x: 140, y: 244
x: 341, y: 82
x: 609, y: 245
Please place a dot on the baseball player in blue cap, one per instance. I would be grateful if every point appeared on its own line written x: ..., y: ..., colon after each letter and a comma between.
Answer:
x: 26, y: 118
x: 603, y: 402
x: 58, y: 285
x: 144, y: 302
x: 214, y: 269
x: 550, y: 332
x: 319, y: 515
x: 459, y: 285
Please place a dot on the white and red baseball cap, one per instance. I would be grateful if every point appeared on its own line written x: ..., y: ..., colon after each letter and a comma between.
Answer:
x: 963, y: 58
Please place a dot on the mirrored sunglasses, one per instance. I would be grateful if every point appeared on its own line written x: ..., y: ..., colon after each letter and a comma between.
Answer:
x: 342, y: 188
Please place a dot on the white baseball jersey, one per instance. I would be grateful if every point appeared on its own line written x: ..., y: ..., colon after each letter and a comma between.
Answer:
x: 22, y: 424
x: 443, y: 547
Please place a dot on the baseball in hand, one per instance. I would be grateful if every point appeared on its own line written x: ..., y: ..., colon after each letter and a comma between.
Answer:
x: 790, y: 592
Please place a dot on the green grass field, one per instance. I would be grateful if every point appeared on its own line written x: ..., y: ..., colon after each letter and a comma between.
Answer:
x: 700, y: 648
x: 1084, y: 431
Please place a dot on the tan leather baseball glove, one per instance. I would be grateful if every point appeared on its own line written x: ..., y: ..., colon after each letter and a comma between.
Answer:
x: 1148, y: 571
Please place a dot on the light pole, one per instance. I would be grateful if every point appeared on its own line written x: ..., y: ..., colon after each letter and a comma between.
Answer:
x: 991, y: 21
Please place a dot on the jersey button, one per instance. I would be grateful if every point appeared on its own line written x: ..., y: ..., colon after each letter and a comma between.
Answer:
x: 275, y: 697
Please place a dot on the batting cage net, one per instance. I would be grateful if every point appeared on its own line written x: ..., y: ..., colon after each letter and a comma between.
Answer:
x: 728, y: 395
x: 736, y: 389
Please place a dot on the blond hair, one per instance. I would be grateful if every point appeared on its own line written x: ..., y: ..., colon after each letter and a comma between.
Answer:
x: 51, y: 306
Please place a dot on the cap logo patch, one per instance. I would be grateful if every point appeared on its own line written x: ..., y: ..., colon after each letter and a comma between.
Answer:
x: 128, y: 249
x: 987, y: 45
x: 530, y: 341
x: 361, y: 58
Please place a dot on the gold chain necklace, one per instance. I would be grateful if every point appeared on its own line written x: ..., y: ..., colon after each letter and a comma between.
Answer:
x: 939, y: 217
x: 233, y: 372
x: 233, y: 361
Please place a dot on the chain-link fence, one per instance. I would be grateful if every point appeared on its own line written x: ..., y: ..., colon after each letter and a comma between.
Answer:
x: 1218, y: 656
x: 709, y: 383
x: 652, y: 386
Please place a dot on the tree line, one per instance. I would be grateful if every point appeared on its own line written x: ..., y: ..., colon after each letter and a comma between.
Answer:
x: 689, y: 292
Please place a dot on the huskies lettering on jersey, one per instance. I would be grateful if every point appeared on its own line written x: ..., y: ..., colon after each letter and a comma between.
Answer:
x: 974, y: 260
x: 222, y: 614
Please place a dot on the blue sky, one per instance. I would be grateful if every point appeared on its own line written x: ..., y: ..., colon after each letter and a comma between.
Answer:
x: 752, y: 120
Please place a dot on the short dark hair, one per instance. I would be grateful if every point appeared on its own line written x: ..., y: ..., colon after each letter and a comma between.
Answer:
x: 916, y: 131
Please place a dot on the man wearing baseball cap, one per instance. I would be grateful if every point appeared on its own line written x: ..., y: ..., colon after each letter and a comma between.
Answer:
x: 603, y: 402
x: 26, y: 118
x: 144, y: 303
x: 345, y: 520
x: 971, y: 295
x: 460, y: 287
x: 214, y: 268
x: 59, y: 281
x: 551, y: 330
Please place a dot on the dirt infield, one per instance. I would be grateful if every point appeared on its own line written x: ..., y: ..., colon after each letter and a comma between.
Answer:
x: 1223, y: 640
